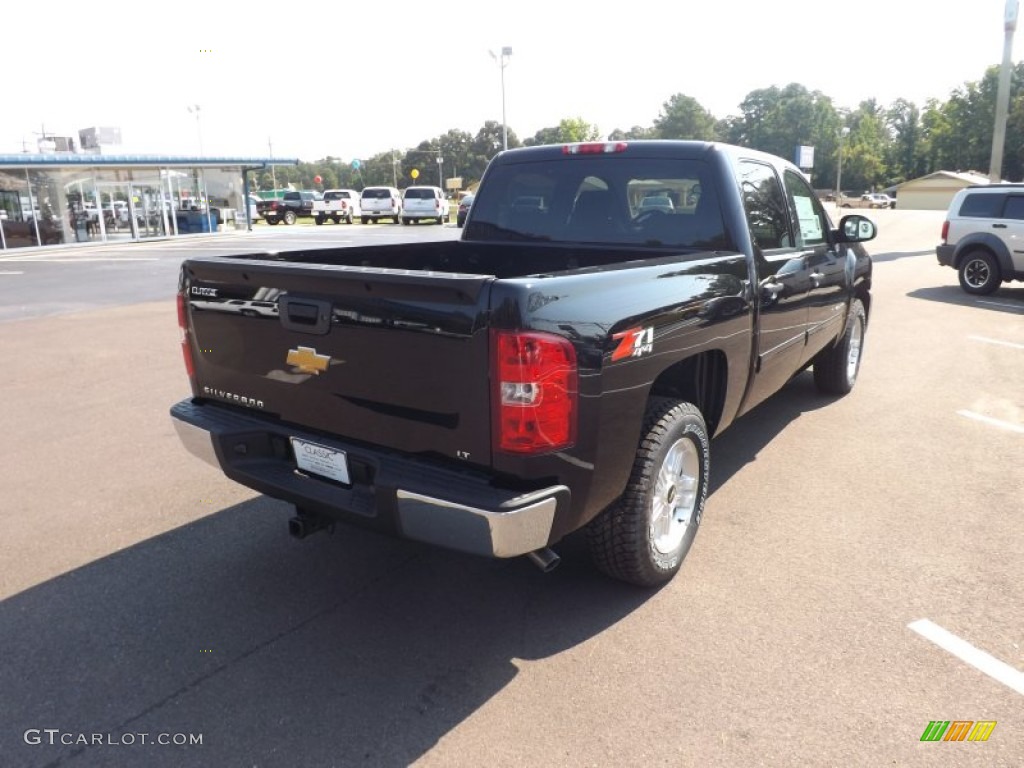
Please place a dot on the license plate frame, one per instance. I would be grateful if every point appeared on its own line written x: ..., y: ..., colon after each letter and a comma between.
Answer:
x: 321, y: 460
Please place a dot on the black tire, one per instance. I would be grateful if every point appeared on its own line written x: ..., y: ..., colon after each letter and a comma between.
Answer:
x: 405, y: 221
x: 979, y: 273
x: 836, y: 367
x: 348, y: 219
x: 319, y: 221
x: 290, y: 217
x: 440, y: 220
x: 622, y: 539
x: 336, y: 219
x: 396, y: 219
x: 273, y: 222
x: 365, y: 219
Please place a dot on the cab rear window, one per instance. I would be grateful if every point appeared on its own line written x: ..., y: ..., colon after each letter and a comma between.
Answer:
x: 601, y: 200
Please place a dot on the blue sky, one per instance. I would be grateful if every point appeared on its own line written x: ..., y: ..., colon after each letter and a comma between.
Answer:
x: 317, y: 84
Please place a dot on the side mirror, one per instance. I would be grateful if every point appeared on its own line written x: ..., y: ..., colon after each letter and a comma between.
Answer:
x: 855, y: 229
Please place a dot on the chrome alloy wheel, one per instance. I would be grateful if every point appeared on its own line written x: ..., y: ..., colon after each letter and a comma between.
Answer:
x: 977, y: 273
x: 675, y: 496
x: 856, y: 342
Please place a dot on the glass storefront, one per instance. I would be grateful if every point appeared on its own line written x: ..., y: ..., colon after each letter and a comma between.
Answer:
x: 76, y: 203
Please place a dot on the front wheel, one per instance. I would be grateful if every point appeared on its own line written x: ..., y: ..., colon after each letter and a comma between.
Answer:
x: 643, y: 537
x: 979, y: 273
x: 290, y: 217
x: 273, y: 222
x: 348, y: 219
x: 836, y: 367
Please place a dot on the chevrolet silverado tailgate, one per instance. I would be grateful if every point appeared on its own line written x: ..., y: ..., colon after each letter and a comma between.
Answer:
x: 392, y: 358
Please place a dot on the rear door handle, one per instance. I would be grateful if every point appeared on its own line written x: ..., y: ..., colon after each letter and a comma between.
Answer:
x: 817, y: 277
x: 998, y: 226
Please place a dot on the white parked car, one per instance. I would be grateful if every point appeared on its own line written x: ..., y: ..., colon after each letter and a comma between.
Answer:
x: 338, y: 205
x: 420, y: 203
x: 380, y: 203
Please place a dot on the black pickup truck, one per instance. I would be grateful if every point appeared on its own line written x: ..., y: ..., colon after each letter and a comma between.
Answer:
x: 564, y: 365
x: 289, y: 208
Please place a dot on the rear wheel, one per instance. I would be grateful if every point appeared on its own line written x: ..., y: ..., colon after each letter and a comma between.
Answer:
x: 979, y: 273
x: 836, y: 367
x: 273, y: 222
x: 336, y: 219
x: 319, y: 221
x: 405, y: 221
x: 348, y: 219
x: 290, y: 217
x: 644, y: 536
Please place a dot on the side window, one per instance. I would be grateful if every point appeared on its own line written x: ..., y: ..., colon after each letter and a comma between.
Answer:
x: 765, y: 206
x: 981, y: 206
x: 812, y: 225
x: 1014, y: 207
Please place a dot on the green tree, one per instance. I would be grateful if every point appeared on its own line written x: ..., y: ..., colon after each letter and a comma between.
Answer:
x: 683, y: 117
x: 636, y: 132
x: 576, y: 129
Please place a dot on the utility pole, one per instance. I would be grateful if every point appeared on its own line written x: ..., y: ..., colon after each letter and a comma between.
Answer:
x: 995, y: 169
x: 273, y: 174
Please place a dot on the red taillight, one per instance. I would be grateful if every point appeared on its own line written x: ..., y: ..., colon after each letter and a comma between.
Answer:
x: 945, y: 231
x: 186, y: 349
x: 274, y: 204
x: 534, y: 392
x: 594, y: 148
x: 344, y: 205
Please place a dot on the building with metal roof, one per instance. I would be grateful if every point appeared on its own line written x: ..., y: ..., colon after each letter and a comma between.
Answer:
x: 62, y: 198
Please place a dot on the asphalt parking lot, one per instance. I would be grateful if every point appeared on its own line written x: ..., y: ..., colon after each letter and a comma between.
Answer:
x: 857, y: 575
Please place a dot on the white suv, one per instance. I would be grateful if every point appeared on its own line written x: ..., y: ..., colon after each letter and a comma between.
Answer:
x: 421, y: 203
x: 380, y: 203
x: 982, y: 226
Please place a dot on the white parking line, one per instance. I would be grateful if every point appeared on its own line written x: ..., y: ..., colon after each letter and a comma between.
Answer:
x: 11, y: 273
x: 1001, y: 304
x: 992, y: 422
x: 964, y: 651
x: 1010, y: 344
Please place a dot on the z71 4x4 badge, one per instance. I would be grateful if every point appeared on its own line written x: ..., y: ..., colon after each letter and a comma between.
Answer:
x: 633, y: 343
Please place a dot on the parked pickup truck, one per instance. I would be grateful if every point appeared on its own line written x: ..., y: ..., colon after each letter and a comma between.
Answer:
x: 867, y: 200
x: 563, y: 366
x: 337, y: 205
x: 289, y: 208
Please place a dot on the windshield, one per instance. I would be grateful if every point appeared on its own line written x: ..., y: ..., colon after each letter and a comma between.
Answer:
x: 604, y: 200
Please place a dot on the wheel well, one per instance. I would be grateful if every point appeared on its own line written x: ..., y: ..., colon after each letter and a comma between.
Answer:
x: 701, y: 380
x: 865, y: 298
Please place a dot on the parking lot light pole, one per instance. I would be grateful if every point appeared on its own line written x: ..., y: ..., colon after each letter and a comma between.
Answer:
x: 995, y: 168
x: 502, y: 61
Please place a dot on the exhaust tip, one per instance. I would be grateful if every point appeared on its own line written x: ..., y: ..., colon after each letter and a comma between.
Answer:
x: 297, y: 528
x: 546, y: 559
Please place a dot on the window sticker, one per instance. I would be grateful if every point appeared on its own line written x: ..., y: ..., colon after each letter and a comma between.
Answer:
x: 810, y: 224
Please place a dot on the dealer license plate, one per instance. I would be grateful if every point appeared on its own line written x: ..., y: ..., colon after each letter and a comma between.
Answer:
x: 321, y: 460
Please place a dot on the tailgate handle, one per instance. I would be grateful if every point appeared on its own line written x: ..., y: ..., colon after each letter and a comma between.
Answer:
x: 305, y: 315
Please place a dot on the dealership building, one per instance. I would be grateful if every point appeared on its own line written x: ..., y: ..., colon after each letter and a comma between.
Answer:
x: 64, y: 198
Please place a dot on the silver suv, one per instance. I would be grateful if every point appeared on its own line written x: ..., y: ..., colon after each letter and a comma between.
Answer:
x: 982, y: 236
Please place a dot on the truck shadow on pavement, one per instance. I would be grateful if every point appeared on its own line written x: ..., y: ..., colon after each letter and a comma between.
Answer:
x: 896, y: 255
x: 333, y: 651
x: 746, y: 437
x: 1006, y: 299
x: 338, y: 650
